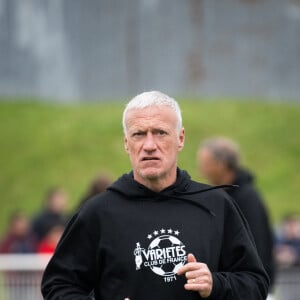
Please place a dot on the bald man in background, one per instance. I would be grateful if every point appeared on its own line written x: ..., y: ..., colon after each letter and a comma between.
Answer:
x: 219, y: 162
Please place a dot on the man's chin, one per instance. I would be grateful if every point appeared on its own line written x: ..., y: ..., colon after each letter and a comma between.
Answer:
x: 151, y: 174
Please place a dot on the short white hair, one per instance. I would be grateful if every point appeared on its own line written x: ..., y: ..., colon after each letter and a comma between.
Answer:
x: 153, y: 98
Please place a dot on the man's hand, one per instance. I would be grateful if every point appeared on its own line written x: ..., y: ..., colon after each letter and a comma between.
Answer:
x: 199, y: 278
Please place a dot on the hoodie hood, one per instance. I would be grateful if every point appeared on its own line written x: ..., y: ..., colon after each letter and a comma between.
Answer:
x: 182, y: 190
x: 243, y: 176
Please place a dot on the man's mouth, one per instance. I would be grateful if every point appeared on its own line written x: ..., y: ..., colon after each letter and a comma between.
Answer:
x: 149, y: 158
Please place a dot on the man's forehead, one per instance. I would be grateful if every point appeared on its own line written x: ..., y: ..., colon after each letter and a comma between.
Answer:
x: 152, y: 112
x: 151, y: 115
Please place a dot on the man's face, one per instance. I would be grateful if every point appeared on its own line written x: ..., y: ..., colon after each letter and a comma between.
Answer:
x: 58, y: 202
x: 152, y: 143
x: 209, y: 167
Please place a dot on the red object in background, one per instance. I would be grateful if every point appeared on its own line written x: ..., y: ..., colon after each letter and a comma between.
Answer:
x: 46, y: 248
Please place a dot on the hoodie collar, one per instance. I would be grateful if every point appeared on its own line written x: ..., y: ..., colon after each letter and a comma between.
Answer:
x: 126, y: 185
x: 183, y: 190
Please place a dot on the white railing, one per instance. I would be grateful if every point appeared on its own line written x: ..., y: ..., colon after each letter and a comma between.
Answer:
x: 20, y: 278
x: 24, y: 262
x: 287, y: 285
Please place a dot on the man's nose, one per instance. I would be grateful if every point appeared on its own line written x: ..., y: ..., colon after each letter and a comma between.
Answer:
x: 149, y: 143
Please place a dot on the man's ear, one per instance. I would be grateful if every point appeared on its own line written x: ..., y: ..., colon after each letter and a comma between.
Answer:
x: 181, y: 139
x: 126, y: 144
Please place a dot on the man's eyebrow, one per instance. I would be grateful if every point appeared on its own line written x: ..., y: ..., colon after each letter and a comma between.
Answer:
x: 159, y: 129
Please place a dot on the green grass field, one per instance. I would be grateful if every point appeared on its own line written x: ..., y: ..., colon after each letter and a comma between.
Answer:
x: 46, y: 144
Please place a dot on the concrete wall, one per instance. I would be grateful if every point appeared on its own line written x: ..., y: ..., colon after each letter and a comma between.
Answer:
x: 92, y: 49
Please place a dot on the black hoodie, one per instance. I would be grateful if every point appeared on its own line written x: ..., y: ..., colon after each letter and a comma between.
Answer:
x: 254, y: 210
x: 130, y: 242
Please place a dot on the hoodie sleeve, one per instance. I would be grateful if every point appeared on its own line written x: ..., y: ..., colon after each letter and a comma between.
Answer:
x: 241, y: 274
x: 71, y: 272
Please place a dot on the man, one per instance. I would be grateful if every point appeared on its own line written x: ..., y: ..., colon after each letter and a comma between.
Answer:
x: 18, y: 238
x: 53, y: 213
x: 155, y: 233
x: 219, y: 162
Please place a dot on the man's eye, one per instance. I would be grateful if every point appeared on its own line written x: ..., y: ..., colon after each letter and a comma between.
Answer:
x: 161, y: 132
x: 138, y: 134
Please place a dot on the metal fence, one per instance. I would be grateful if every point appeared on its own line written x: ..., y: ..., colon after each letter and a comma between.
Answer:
x: 288, y: 284
x: 20, y: 277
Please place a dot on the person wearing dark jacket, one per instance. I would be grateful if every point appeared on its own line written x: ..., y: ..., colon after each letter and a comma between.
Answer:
x: 155, y: 233
x: 52, y: 215
x: 219, y: 162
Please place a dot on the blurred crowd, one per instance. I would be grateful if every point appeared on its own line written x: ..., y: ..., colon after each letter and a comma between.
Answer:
x: 42, y: 232
x: 287, y: 243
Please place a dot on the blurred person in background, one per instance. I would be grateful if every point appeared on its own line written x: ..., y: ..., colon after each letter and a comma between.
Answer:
x: 219, y: 162
x: 54, y: 213
x: 18, y: 238
x: 287, y: 248
x: 98, y: 185
x: 48, y: 244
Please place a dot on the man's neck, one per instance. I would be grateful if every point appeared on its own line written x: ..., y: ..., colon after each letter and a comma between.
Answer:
x: 157, y: 184
x: 228, y: 178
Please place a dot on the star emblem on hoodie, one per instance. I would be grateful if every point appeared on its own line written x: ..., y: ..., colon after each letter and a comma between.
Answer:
x: 156, y: 233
